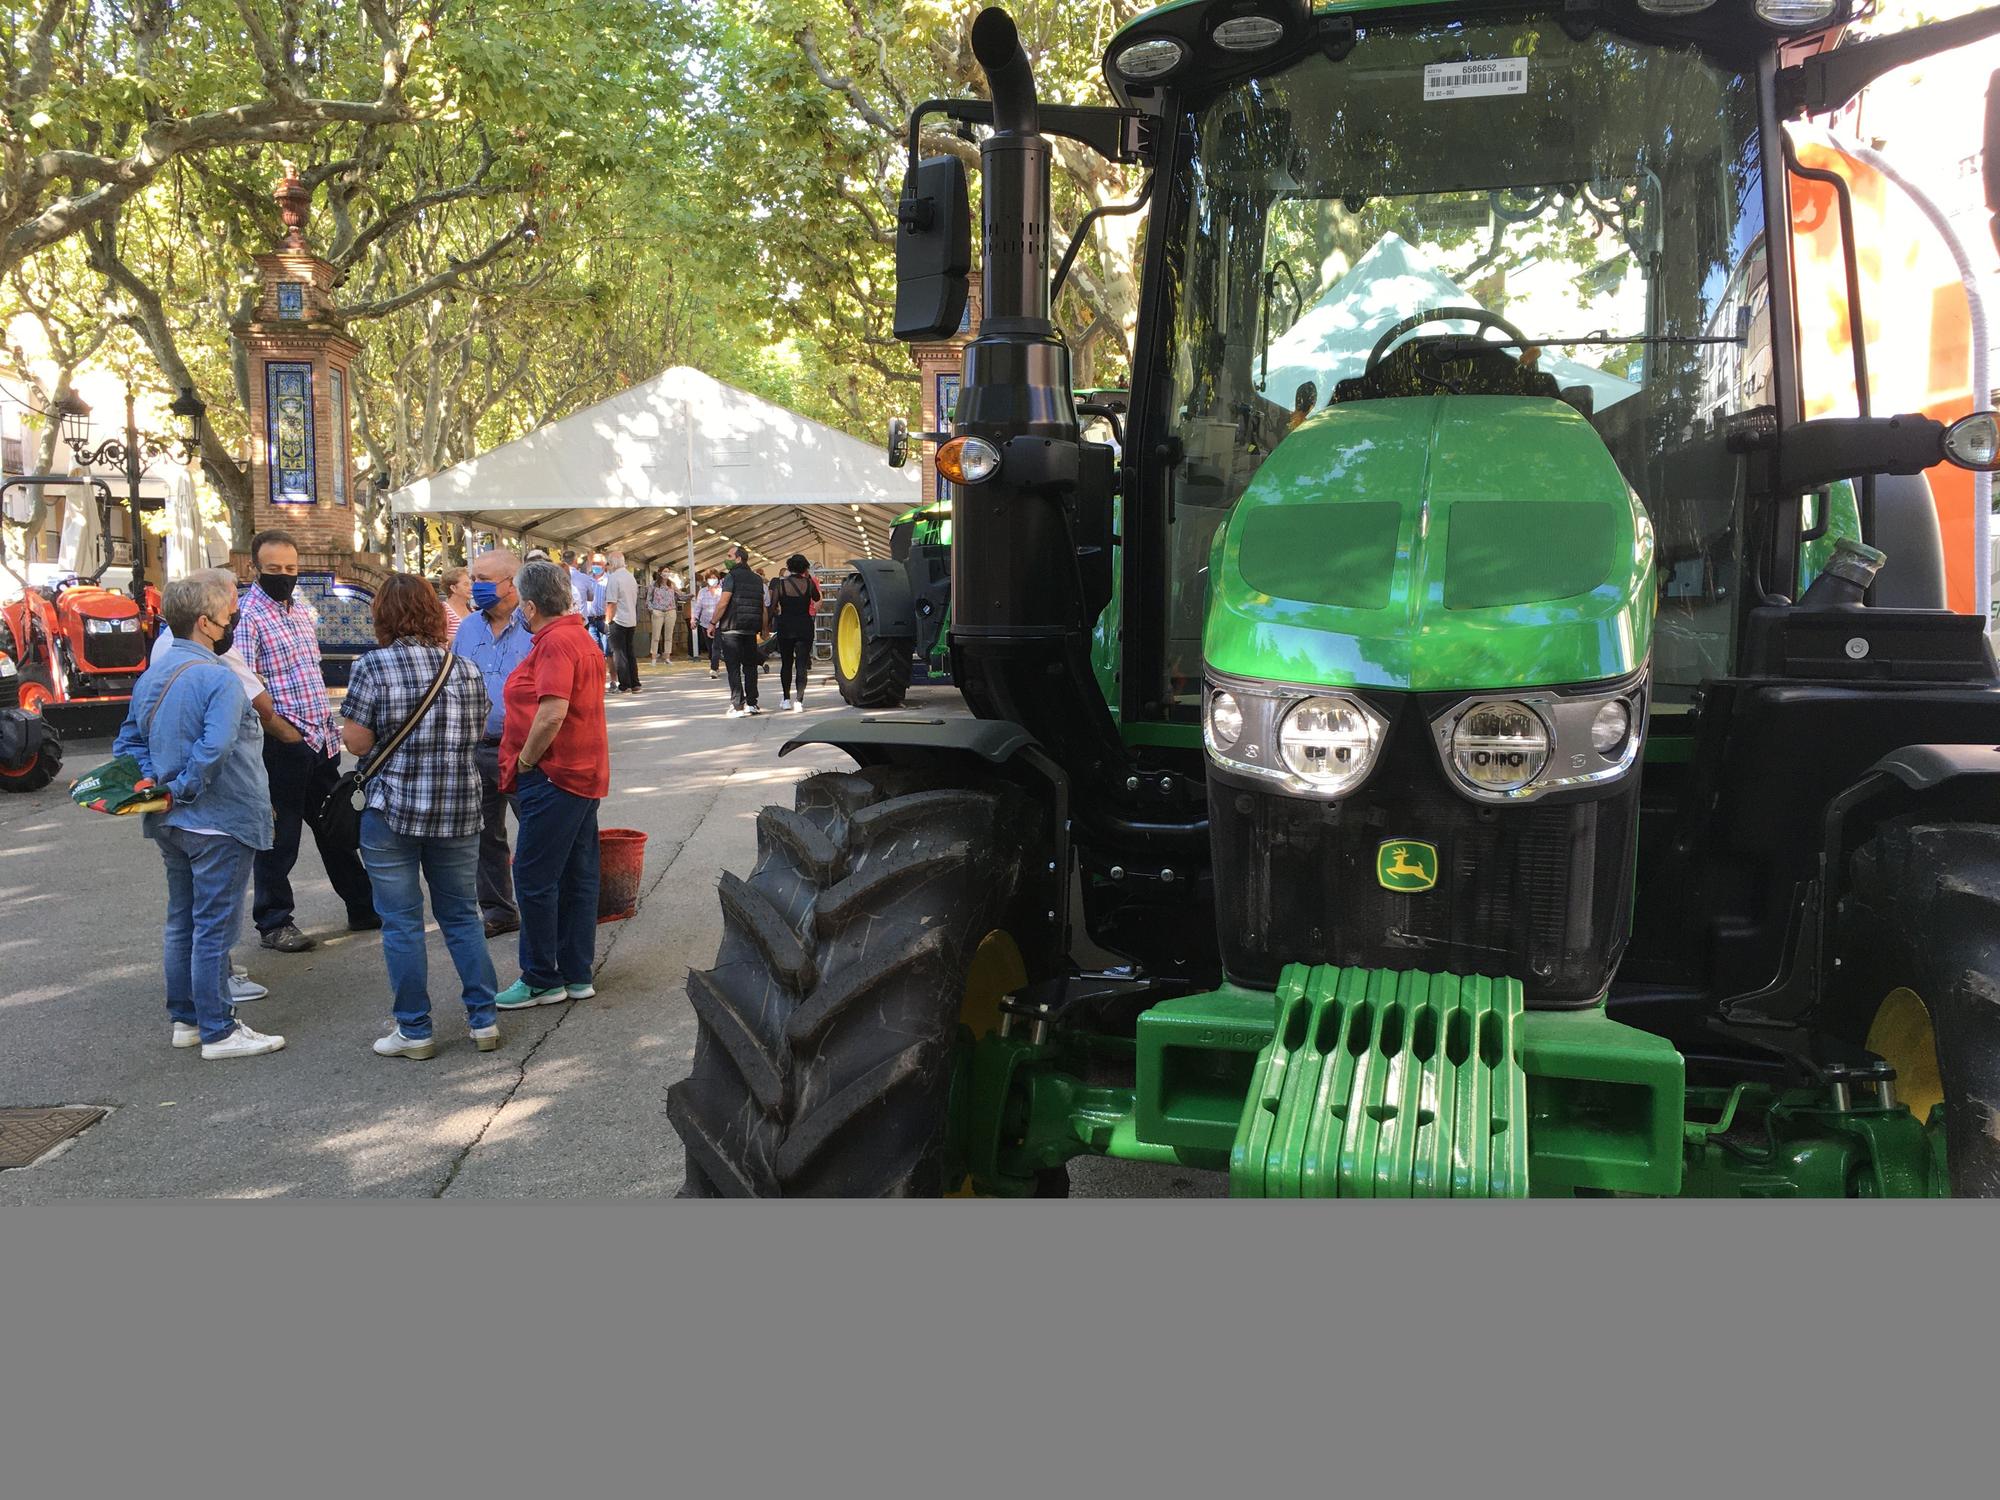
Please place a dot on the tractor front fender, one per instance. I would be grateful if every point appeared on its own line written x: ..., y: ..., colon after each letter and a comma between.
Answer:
x: 889, y: 594
x: 968, y: 747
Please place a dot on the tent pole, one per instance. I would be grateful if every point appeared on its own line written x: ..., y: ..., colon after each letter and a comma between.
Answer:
x: 690, y: 577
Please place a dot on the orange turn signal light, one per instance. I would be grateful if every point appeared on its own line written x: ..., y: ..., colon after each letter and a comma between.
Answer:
x: 968, y: 460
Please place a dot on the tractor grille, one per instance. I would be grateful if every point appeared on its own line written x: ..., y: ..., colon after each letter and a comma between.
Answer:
x: 1539, y: 893
x: 113, y: 651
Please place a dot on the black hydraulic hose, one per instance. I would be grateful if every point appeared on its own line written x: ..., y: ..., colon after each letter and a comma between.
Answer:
x: 1103, y: 211
x: 997, y: 44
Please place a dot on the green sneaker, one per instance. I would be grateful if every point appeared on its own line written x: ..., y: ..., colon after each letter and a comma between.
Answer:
x: 517, y: 996
x: 581, y: 991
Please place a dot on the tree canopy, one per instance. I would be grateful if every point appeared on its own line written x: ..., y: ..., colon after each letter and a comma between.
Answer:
x: 531, y: 204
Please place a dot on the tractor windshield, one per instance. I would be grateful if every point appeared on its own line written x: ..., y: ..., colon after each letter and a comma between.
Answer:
x: 1592, y: 207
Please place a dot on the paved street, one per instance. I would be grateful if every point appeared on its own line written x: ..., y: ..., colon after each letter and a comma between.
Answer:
x: 572, y: 1105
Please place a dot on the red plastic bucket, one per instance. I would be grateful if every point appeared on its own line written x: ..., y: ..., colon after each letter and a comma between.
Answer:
x: 621, y: 859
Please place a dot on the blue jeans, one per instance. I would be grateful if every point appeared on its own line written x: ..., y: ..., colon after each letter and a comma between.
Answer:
x: 208, y: 877
x: 555, y: 882
x: 450, y: 866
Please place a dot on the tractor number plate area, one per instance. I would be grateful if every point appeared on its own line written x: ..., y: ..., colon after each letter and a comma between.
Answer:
x: 1380, y: 1084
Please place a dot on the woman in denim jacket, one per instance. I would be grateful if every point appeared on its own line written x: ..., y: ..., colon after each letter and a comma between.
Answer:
x: 197, y: 739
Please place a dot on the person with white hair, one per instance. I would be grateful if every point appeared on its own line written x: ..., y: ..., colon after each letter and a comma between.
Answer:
x: 621, y: 619
x: 198, y: 742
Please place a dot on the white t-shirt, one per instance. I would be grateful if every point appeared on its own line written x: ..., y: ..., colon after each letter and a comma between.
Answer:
x: 232, y: 659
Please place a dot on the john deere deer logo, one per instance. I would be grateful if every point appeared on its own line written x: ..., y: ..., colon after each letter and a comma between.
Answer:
x: 1406, y: 865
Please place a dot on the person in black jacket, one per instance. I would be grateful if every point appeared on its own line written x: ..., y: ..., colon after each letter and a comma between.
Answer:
x: 740, y: 617
x: 794, y: 596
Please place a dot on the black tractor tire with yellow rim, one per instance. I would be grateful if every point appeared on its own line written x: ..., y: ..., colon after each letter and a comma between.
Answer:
x: 871, y: 654
x: 886, y: 915
x: 1919, y: 979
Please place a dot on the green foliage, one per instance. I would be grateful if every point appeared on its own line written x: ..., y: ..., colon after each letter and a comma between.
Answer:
x: 531, y: 205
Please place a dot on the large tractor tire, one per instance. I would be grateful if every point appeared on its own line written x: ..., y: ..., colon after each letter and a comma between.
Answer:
x: 38, y: 768
x: 1919, y: 980
x: 872, y: 669
x: 884, y: 913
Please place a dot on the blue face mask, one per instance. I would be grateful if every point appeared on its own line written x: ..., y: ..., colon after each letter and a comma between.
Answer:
x: 485, y: 594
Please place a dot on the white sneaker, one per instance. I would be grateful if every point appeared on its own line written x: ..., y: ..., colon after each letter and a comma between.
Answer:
x: 485, y: 1038
x: 798, y: 705
x: 242, y: 1042
x: 186, y: 1035
x: 395, y: 1044
x: 785, y: 706
x: 242, y: 988
x: 753, y: 709
x: 737, y: 713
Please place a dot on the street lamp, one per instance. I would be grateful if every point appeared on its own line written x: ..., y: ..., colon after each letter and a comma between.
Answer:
x: 131, y: 454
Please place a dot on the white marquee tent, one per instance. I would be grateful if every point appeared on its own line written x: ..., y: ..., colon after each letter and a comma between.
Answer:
x: 679, y: 463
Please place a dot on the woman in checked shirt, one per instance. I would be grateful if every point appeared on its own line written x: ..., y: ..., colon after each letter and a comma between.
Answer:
x: 423, y: 814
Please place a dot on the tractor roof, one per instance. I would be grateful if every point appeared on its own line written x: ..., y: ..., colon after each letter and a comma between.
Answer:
x: 1728, y: 30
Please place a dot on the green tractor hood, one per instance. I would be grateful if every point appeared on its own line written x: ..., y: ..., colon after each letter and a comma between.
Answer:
x: 1434, y: 542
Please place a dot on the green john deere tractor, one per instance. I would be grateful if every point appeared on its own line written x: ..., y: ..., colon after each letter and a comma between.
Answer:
x: 891, y: 614
x: 1472, y: 737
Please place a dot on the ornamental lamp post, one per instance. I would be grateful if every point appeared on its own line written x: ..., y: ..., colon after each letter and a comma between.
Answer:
x: 132, y: 453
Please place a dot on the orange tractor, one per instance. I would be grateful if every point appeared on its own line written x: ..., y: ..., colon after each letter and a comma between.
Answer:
x: 70, y: 655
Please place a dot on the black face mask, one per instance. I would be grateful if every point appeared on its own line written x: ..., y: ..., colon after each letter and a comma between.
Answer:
x: 228, y: 637
x: 278, y: 586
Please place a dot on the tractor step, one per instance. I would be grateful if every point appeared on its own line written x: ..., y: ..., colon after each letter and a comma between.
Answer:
x: 1385, y: 1084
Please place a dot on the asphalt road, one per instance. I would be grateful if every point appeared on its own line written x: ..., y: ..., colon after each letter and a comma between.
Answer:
x: 571, y: 1106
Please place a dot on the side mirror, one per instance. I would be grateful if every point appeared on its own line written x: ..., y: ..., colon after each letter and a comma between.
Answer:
x: 1973, y: 442
x: 899, y: 442
x: 933, y: 250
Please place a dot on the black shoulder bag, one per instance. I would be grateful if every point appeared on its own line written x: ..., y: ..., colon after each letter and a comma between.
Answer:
x: 340, y: 813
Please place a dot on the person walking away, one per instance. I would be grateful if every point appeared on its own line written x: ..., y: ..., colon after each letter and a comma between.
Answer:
x: 242, y: 988
x: 457, y: 585
x: 423, y: 817
x: 664, y: 601
x: 279, y: 638
x: 740, y: 617
x: 794, y: 597
x: 555, y: 759
x: 494, y: 639
x: 196, y: 737
x: 621, y: 619
x: 703, y: 618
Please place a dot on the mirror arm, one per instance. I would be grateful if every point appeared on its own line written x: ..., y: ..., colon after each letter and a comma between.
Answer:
x: 1827, y: 80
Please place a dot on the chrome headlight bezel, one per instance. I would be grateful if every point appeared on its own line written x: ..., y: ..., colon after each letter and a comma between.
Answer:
x: 1573, y: 760
x: 1265, y: 706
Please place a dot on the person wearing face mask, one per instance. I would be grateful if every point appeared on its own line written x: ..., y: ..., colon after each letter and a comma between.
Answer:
x: 496, y: 640
x: 701, y: 615
x: 457, y: 586
x: 279, y: 637
x: 197, y: 739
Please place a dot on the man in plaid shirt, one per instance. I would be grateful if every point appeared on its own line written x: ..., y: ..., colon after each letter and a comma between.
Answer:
x: 278, y: 636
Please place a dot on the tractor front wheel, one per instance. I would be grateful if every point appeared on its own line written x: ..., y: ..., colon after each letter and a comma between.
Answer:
x: 827, y: 1027
x: 1919, y: 980
x: 871, y: 669
x: 41, y: 765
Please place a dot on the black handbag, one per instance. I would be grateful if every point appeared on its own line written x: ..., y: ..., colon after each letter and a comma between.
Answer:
x: 340, y: 813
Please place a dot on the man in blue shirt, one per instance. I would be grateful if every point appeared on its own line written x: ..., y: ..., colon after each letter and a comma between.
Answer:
x: 495, y: 639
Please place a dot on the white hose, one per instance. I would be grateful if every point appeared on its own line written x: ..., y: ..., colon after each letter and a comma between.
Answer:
x: 1982, y: 384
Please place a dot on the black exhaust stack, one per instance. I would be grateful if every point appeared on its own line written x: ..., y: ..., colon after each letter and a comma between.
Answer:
x: 1020, y: 621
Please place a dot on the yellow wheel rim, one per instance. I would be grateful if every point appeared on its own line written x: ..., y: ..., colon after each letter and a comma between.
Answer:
x: 1902, y: 1035
x: 847, y: 642
x: 997, y: 971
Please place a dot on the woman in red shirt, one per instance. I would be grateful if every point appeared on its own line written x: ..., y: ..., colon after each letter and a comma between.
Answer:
x: 556, y: 760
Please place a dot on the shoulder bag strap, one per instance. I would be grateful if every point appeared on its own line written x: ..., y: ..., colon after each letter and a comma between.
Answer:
x: 160, y: 702
x: 380, y: 757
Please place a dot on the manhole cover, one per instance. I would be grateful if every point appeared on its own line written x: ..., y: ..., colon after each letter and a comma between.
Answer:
x: 26, y: 1135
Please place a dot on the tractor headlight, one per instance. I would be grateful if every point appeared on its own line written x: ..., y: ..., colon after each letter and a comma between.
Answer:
x: 1314, y: 743
x: 1518, y: 747
x: 1328, y: 743
x: 1225, y: 719
x: 7, y: 666
x: 1499, y: 747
